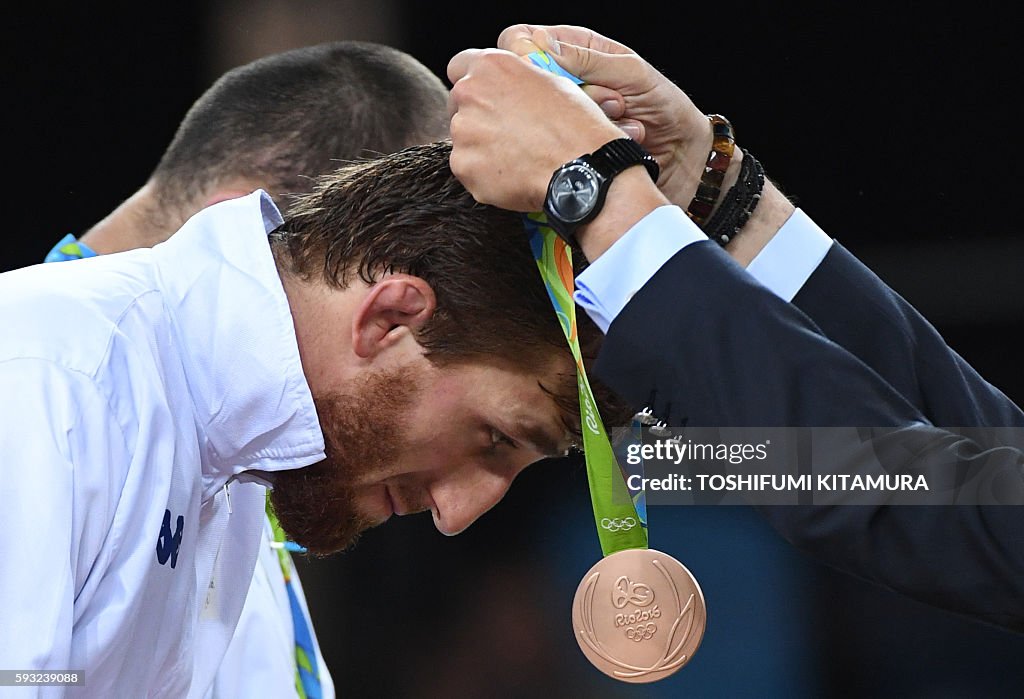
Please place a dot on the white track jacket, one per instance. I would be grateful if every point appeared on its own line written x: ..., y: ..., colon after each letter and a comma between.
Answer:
x: 138, y: 393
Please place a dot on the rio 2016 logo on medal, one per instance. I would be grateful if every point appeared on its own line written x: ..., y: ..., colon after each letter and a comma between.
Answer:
x: 639, y: 615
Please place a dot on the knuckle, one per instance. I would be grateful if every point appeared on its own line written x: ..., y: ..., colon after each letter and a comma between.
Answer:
x: 456, y: 94
x: 498, y: 59
x: 455, y: 161
x: 455, y: 128
x: 512, y: 33
x: 634, y: 64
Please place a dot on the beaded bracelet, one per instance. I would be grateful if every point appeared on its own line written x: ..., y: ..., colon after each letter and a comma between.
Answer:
x: 722, y: 146
x: 739, y: 203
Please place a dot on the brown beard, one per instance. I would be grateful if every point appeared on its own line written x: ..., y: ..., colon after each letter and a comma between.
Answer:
x: 316, y: 505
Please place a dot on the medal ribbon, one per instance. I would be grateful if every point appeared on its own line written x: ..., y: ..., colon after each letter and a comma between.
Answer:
x: 619, y: 527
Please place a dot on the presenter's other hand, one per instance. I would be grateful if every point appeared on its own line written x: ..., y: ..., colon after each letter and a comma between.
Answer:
x: 652, y: 110
x: 645, y: 104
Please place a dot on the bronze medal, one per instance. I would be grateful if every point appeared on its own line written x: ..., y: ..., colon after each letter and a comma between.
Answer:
x: 639, y: 615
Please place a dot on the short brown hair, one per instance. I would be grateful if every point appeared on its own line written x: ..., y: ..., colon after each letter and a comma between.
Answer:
x: 406, y: 212
x: 287, y: 117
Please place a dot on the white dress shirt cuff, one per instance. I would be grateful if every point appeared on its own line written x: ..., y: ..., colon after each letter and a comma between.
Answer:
x: 604, y: 288
x: 789, y: 259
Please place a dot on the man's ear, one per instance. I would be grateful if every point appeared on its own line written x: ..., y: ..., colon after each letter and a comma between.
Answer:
x: 396, y: 306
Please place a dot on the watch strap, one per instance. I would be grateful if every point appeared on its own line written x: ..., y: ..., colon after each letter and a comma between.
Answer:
x: 619, y: 154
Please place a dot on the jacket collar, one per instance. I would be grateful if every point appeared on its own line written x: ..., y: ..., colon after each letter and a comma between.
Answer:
x: 236, y: 341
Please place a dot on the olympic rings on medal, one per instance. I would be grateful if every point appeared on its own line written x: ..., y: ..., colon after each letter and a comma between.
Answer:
x: 615, y: 525
x: 641, y: 633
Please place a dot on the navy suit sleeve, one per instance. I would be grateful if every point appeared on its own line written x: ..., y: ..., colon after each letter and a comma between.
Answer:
x: 704, y: 344
x: 855, y: 309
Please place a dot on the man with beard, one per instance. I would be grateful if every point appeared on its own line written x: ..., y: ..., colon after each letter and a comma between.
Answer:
x: 390, y: 349
x: 317, y: 106
x: 459, y: 377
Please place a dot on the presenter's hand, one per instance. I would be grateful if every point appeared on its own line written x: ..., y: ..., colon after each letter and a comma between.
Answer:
x: 652, y: 110
x: 649, y: 107
x: 513, y: 125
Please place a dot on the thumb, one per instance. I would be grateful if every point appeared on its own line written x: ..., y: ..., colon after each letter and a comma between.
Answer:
x: 594, y: 67
x: 520, y: 40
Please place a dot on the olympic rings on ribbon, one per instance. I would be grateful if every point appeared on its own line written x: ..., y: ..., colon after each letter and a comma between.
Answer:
x: 615, y: 525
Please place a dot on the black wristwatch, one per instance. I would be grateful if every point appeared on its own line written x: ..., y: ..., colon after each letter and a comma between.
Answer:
x: 577, y: 190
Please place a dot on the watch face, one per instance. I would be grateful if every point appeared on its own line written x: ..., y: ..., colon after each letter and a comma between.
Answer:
x: 574, y: 192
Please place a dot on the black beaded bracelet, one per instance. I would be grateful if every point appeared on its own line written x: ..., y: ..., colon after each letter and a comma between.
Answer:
x: 739, y: 202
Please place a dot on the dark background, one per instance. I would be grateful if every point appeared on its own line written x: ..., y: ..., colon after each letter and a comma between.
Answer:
x: 896, y: 130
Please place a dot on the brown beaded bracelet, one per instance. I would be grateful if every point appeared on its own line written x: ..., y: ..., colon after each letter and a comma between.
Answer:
x: 710, y: 187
